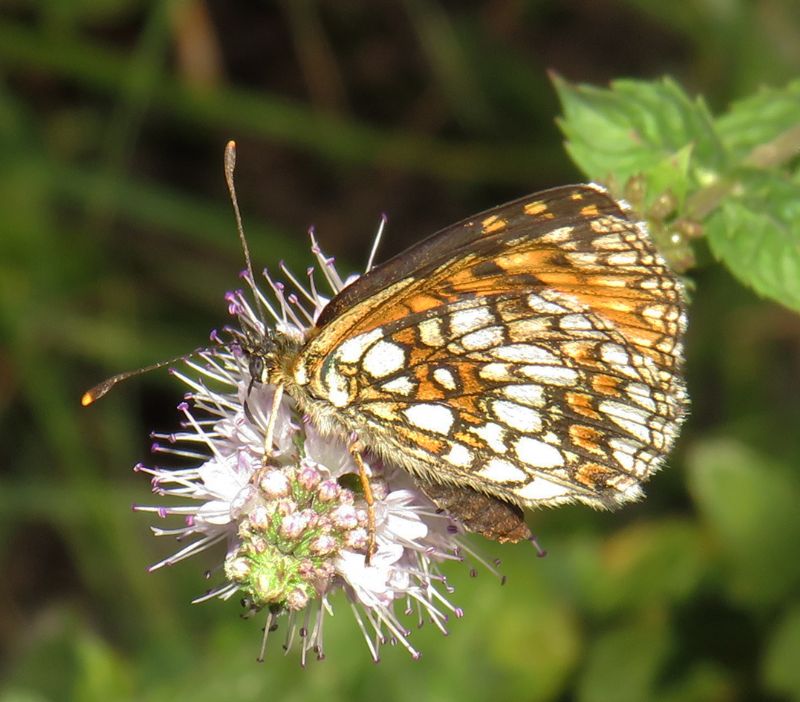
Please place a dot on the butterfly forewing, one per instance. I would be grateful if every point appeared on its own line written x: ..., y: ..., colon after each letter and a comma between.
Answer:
x: 531, y: 353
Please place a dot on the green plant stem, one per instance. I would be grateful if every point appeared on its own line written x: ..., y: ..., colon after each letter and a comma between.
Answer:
x: 773, y: 154
x: 781, y: 149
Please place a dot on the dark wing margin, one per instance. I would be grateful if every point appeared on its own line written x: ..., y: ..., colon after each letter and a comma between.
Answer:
x: 565, y: 206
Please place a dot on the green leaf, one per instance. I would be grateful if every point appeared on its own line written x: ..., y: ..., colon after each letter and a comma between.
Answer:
x: 759, y: 119
x: 780, y: 669
x: 671, y: 174
x: 750, y: 507
x: 648, y: 563
x: 623, y: 665
x: 755, y: 232
x: 634, y: 128
x: 555, y: 639
x: 701, y: 682
x: 67, y: 660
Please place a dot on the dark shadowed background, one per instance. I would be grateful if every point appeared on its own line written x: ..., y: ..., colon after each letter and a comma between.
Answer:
x: 117, y: 244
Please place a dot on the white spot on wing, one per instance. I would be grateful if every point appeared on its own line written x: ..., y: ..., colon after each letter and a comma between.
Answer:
x: 656, y: 312
x: 498, y: 372
x: 614, y: 354
x: 551, y: 375
x: 522, y: 330
x: 353, y: 349
x: 631, y: 419
x: 384, y: 358
x: 444, y: 377
x: 493, y: 434
x: 430, y: 417
x: 516, y: 416
x: 575, y: 322
x: 582, y: 258
x: 401, y: 386
x: 499, y: 470
x: 337, y: 386
x: 485, y: 338
x: 430, y: 332
x: 543, y: 489
x: 524, y: 353
x: 537, y: 453
x: 641, y: 395
x: 465, y: 321
x: 557, y: 235
x: 539, y: 304
x: 459, y: 455
x: 531, y: 395
x: 627, y: 258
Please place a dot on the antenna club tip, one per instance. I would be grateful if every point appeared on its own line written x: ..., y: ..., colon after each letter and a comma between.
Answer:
x: 231, y: 145
x: 87, y: 399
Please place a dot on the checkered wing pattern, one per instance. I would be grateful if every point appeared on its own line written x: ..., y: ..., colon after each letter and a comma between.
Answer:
x: 531, y: 353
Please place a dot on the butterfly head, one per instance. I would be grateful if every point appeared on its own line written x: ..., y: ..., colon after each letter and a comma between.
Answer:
x: 261, y: 353
x: 268, y: 354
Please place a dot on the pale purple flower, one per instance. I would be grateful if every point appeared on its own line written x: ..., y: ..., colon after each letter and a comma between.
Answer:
x: 295, y: 530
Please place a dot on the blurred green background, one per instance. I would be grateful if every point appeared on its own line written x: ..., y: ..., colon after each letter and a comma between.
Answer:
x: 117, y: 244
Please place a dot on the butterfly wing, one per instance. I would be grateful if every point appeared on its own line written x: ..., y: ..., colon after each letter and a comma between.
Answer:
x: 531, y: 353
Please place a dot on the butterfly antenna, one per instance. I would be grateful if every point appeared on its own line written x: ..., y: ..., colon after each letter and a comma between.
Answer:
x: 101, y: 389
x: 95, y: 393
x: 230, y: 167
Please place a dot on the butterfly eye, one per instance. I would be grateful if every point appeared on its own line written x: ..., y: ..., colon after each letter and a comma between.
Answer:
x: 256, y: 369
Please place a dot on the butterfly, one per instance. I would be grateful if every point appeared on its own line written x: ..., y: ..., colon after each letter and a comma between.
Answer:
x: 527, y: 356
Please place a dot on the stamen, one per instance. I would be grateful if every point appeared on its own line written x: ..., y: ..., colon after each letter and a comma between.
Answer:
x: 376, y: 243
x: 268, y: 627
x: 297, y: 284
x: 326, y: 264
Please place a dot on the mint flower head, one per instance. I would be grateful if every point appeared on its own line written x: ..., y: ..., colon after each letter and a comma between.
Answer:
x: 293, y: 523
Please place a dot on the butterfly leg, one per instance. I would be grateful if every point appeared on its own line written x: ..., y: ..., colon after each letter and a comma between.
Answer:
x: 269, y: 433
x: 269, y: 436
x: 356, y: 448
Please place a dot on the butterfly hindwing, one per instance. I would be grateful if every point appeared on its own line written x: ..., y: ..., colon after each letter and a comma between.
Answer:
x: 531, y: 353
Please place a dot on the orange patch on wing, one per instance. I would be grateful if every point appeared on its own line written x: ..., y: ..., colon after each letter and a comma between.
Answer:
x: 492, y: 224
x: 466, y: 405
x: 427, y: 443
x: 371, y: 393
x: 606, y: 384
x: 590, y: 211
x: 562, y: 278
x: 405, y: 337
x: 581, y: 403
x: 593, y: 475
x: 427, y: 390
x: 621, y: 310
x: 531, y: 261
x: 464, y: 278
x: 622, y: 285
x: 469, y: 439
x: 535, y: 208
x: 418, y: 354
x: 586, y: 437
x: 468, y: 377
x: 583, y: 353
x: 422, y: 302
